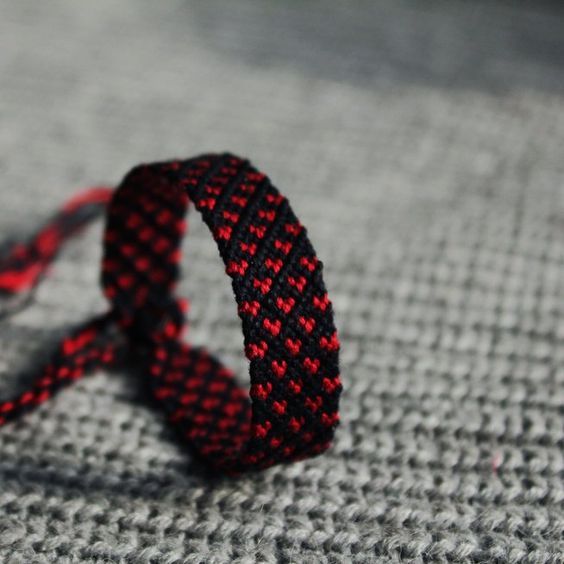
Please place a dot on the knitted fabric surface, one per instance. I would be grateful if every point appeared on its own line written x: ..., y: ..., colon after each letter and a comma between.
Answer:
x: 421, y: 145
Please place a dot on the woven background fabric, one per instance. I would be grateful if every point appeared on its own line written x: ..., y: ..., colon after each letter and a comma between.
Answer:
x: 422, y: 145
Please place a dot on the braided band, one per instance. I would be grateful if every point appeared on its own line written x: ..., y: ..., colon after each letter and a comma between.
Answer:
x: 290, y: 338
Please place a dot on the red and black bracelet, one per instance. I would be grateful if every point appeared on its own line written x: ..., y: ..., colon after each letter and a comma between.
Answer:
x: 287, y: 318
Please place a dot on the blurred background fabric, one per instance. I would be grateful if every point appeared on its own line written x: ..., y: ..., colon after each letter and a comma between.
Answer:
x: 422, y: 144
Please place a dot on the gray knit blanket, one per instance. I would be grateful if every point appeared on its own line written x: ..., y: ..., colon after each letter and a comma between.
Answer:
x: 422, y: 144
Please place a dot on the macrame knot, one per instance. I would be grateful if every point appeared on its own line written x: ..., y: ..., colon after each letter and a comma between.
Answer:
x: 154, y: 323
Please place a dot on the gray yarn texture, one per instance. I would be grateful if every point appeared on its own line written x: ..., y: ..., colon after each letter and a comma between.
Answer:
x: 422, y: 145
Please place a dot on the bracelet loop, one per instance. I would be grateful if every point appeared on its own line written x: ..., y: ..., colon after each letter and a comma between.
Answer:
x: 290, y: 338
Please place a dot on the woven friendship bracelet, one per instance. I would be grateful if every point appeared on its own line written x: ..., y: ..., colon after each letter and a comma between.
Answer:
x: 290, y: 338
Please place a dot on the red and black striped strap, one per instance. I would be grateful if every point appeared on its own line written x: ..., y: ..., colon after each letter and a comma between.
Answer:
x: 287, y: 319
